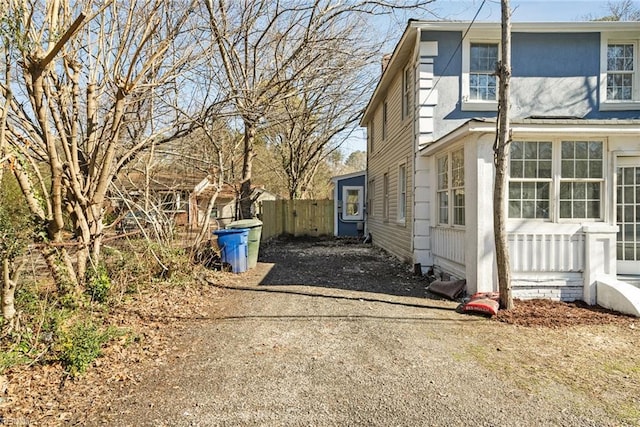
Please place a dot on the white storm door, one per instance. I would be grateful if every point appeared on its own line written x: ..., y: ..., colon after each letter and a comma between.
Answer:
x: 628, y: 215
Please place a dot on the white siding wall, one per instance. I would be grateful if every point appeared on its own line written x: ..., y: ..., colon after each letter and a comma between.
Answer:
x: 387, y: 155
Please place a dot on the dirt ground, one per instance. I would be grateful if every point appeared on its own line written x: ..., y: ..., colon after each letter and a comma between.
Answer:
x: 273, y: 346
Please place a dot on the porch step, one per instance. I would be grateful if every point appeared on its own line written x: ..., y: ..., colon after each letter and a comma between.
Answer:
x: 630, y: 279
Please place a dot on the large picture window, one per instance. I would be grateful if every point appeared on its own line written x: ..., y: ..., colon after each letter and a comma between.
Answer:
x: 450, y: 189
x: 575, y: 180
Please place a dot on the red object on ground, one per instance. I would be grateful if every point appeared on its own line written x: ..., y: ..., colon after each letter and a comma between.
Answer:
x: 483, y: 303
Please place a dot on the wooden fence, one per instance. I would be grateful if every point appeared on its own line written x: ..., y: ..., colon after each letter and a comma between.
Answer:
x: 297, y: 218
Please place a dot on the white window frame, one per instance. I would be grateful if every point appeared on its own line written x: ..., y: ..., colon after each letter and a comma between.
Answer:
x: 468, y: 104
x: 402, y: 193
x: 345, y: 191
x: 557, y: 179
x: 406, y: 92
x: 607, y: 39
x: 371, y: 197
x: 385, y: 119
x: 449, y: 190
x: 385, y: 197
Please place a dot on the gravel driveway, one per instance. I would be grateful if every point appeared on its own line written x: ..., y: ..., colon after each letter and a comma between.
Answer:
x: 353, y: 343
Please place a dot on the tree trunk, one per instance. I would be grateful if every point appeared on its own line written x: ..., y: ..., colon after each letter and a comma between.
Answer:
x: 9, y: 282
x: 501, y: 161
x: 247, y: 161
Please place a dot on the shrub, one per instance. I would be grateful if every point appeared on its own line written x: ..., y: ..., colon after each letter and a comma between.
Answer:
x: 98, y: 284
x: 81, y: 345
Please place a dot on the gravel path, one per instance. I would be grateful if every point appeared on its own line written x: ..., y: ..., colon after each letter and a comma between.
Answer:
x: 321, y: 355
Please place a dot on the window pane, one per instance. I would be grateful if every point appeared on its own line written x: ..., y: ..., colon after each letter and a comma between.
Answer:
x: 565, y: 191
x: 579, y: 190
x: 545, y: 150
x: 528, y: 209
x: 629, y: 195
x: 595, y: 150
x: 531, y: 150
x: 514, y: 209
x: 593, y: 209
x: 567, y: 169
x: 443, y: 181
x: 579, y: 209
x: 515, y: 190
x: 516, y: 150
x: 628, y: 214
x: 581, y: 150
x: 517, y: 169
x: 565, y: 209
x: 443, y: 204
x: 530, y: 169
x: 543, y: 191
x: 595, y: 169
x: 593, y: 191
x: 542, y: 210
x: 582, y: 169
x: 544, y: 169
x: 628, y: 176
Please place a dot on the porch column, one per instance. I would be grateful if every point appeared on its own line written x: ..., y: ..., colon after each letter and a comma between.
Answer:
x: 479, y: 174
x: 600, y: 257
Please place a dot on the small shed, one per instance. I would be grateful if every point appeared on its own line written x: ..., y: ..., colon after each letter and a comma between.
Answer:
x: 349, y: 196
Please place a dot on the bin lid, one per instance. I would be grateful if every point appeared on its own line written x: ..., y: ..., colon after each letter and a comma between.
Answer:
x: 231, y: 231
x: 245, y: 223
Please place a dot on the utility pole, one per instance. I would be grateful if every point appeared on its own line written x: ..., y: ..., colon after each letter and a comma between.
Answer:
x: 501, y: 158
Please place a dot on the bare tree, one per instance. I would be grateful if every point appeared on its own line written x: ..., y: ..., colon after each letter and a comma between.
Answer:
x: 81, y: 104
x: 621, y: 10
x: 501, y: 152
x: 265, y: 47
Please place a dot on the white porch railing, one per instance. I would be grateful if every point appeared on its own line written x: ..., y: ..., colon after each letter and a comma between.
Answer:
x: 529, y: 252
x: 547, y: 252
x: 449, y: 243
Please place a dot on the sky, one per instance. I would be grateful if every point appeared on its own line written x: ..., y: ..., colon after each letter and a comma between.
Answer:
x: 464, y: 10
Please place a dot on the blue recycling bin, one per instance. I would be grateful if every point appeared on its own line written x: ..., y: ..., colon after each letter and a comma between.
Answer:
x: 233, y: 247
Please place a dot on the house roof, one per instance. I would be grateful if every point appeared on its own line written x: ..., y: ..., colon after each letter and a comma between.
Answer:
x: 539, y: 125
x: 348, y: 175
x: 407, y: 47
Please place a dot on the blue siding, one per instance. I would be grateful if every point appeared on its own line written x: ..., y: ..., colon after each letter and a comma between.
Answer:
x: 554, y: 74
x: 555, y: 55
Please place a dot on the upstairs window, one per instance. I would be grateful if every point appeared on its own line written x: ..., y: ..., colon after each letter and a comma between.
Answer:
x: 619, y: 76
x: 479, y: 80
x: 406, y: 92
x: 384, y: 120
x: 482, y: 72
x: 620, y: 71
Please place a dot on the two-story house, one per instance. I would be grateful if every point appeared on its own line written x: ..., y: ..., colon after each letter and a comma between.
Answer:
x: 574, y: 167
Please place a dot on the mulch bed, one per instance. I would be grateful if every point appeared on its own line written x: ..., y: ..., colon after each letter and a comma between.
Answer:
x: 555, y: 314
